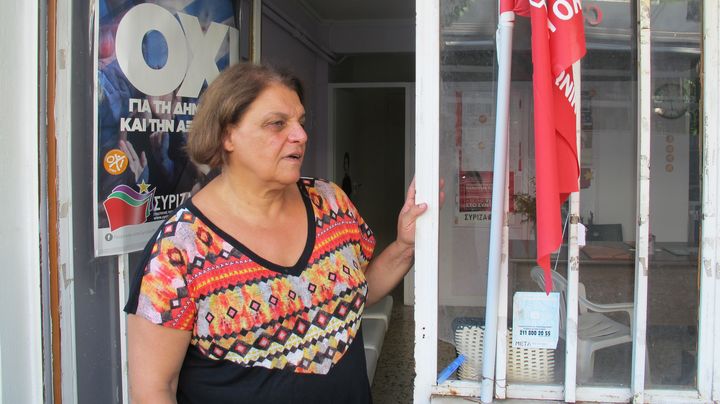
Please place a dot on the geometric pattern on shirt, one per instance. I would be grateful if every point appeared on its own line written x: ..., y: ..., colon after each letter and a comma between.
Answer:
x: 242, y: 312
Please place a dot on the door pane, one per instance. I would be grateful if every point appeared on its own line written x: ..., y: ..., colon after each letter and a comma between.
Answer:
x: 467, y: 124
x: 608, y: 193
x: 675, y: 197
x: 608, y: 155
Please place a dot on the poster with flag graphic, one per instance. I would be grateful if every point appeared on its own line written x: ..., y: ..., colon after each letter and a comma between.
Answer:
x: 153, y: 60
x: 558, y: 41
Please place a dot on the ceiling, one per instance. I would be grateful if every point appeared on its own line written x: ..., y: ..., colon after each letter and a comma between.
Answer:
x: 349, y: 10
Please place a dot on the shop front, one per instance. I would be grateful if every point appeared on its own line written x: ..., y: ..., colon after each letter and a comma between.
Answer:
x: 635, y: 309
x: 635, y: 277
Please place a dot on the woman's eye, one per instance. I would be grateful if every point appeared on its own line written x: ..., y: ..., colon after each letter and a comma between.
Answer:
x: 277, y: 124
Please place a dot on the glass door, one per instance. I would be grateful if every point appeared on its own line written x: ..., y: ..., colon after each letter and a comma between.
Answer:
x: 633, y: 322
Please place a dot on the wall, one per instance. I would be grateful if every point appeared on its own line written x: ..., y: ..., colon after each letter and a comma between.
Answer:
x: 20, y: 335
x: 390, y: 36
x: 612, y: 191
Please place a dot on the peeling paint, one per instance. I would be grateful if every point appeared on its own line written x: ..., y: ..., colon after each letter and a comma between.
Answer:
x: 63, y: 209
x: 707, y: 265
x: 643, y: 266
x: 62, y: 59
x: 65, y: 280
x: 574, y: 264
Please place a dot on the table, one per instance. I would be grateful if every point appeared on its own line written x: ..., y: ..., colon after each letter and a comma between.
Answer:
x: 607, y: 269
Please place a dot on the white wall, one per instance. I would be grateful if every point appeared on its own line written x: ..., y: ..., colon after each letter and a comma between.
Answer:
x: 20, y: 334
x: 612, y: 193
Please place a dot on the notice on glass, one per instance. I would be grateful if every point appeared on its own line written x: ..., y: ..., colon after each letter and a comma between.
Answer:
x: 536, y: 320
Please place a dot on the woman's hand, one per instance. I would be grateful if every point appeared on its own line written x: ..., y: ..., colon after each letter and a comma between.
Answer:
x: 387, y: 269
x: 410, y: 212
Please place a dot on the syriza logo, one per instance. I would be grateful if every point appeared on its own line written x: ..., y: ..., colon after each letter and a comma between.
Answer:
x: 125, y: 206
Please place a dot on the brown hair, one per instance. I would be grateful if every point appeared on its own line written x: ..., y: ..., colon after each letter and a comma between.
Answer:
x: 224, y: 103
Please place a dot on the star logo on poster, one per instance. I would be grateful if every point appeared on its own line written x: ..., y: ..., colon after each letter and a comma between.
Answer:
x: 143, y: 187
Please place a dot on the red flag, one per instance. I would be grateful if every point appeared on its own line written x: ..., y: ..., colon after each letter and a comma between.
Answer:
x: 558, y: 41
x: 519, y: 7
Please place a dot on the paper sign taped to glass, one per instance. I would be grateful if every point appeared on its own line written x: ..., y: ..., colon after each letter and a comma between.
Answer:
x: 536, y: 320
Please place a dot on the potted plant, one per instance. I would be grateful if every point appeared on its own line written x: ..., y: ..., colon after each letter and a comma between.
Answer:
x: 524, y: 203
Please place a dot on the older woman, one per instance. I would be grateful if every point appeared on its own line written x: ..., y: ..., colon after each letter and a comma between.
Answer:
x: 254, y: 289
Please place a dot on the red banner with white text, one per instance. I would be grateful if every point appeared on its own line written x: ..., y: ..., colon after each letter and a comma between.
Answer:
x: 558, y: 41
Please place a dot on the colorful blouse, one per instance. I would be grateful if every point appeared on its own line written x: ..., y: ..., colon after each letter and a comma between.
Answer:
x: 264, y: 329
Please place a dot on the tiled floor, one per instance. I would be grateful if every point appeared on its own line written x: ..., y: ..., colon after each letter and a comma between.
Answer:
x: 671, y: 356
x: 393, y: 382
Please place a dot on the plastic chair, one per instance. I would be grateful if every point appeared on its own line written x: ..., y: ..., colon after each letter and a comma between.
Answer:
x: 595, y: 330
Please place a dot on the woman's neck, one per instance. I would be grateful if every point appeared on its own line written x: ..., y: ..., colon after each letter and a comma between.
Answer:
x: 252, y: 199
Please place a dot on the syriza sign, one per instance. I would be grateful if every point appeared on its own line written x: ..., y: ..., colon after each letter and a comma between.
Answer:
x: 153, y: 61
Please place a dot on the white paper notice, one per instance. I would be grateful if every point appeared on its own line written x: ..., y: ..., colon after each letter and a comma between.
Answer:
x: 581, y: 234
x: 536, y: 320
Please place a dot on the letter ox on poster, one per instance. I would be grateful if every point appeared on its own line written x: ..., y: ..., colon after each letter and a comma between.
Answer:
x: 191, y: 52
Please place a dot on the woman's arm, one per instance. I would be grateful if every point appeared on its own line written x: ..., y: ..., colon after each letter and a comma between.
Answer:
x: 386, y: 270
x: 155, y: 355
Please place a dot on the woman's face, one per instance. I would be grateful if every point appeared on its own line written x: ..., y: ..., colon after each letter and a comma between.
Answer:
x: 268, y: 144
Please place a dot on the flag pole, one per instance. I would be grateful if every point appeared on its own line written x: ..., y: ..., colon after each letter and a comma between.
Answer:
x: 504, y: 35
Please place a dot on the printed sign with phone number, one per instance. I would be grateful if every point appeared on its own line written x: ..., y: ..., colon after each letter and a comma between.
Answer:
x: 535, y: 320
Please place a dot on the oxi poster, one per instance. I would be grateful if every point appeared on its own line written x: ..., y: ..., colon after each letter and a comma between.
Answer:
x: 153, y: 60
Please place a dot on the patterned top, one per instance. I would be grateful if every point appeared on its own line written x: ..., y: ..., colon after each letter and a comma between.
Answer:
x: 246, y: 310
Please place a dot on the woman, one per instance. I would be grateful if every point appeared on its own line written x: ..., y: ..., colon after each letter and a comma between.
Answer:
x: 254, y: 289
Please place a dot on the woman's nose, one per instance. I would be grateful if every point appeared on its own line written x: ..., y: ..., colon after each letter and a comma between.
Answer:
x: 298, y: 134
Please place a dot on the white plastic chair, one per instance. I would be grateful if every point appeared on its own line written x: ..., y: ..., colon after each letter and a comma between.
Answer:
x: 595, y: 330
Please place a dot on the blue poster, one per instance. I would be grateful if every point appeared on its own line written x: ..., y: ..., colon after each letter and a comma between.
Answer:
x: 153, y: 61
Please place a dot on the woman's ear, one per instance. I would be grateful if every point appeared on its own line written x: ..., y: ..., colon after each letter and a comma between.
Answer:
x: 228, y: 140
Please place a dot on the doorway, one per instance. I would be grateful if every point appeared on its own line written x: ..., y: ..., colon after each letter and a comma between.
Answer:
x: 371, y: 147
x: 372, y: 153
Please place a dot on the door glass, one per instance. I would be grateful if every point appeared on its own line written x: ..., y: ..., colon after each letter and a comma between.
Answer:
x: 467, y: 127
x: 608, y: 182
x: 608, y: 188
x: 675, y: 196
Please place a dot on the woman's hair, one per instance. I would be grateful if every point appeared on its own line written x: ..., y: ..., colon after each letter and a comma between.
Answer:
x: 224, y: 103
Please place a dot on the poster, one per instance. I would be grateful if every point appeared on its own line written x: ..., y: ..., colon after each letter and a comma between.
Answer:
x: 474, y: 134
x: 475, y: 195
x: 153, y: 59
